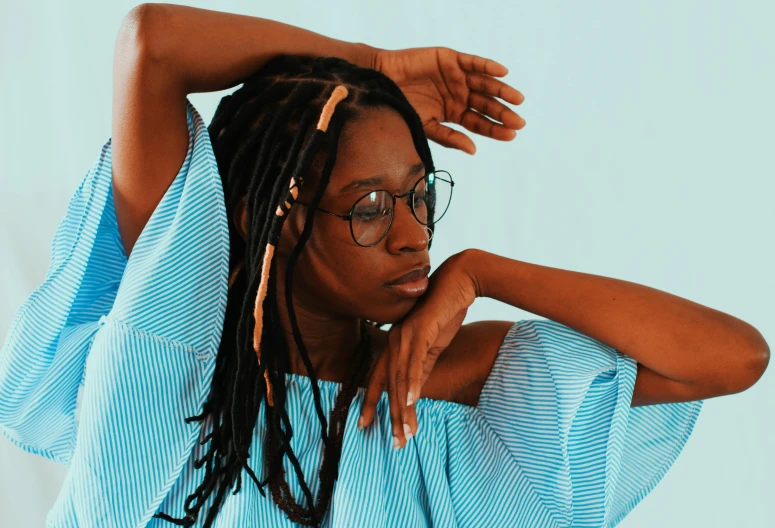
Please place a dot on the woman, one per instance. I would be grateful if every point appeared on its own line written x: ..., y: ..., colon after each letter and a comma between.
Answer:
x: 219, y: 293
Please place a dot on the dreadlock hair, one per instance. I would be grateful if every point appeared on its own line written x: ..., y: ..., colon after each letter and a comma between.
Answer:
x: 265, y: 145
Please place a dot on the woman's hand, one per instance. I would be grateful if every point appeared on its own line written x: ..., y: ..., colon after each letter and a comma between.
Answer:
x: 444, y: 85
x: 415, y: 343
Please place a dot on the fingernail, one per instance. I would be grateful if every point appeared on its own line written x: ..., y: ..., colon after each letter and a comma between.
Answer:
x: 407, y: 432
x: 395, y: 442
x: 360, y: 422
x: 409, y: 398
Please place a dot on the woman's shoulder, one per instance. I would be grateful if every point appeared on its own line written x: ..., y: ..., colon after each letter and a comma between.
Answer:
x: 465, y: 365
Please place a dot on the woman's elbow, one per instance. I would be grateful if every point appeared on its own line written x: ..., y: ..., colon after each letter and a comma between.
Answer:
x: 139, y: 37
x: 753, y: 364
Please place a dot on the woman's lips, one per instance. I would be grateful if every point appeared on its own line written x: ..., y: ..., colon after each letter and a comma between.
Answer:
x: 413, y: 275
x: 412, y: 284
x: 413, y: 288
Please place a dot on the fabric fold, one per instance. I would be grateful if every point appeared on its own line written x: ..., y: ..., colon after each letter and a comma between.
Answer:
x: 141, y: 335
x: 552, y: 442
x: 560, y: 401
x: 43, y: 356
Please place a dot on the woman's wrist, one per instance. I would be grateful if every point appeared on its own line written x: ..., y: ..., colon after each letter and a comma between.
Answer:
x: 474, y: 263
x: 361, y: 54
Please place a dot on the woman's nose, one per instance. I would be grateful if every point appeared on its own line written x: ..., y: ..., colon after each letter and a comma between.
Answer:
x: 406, y: 233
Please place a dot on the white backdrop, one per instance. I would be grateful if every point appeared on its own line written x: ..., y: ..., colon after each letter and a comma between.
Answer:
x: 647, y: 156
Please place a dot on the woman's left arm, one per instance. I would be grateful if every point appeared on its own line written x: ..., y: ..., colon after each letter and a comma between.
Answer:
x: 679, y: 342
x: 685, y: 351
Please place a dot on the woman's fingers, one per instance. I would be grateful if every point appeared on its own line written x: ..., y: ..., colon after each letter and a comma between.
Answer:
x: 476, y: 63
x: 410, y: 357
x: 494, y: 109
x: 412, y: 369
x: 477, y: 82
x: 393, y: 370
x: 417, y: 357
x: 482, y: 98
x: 449, y: 137
x: 410, y: 423
x: 479, y: 124
x: 396, y: 409
x: 377, y: 384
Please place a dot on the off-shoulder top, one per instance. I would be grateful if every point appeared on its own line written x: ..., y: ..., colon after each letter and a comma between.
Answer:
x: 109, y: 355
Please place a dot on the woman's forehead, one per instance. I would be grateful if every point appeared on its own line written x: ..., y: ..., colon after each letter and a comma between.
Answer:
x: 377, y: 152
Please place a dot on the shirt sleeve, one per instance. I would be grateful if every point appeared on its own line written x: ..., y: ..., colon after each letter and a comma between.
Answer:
x: 138, y: 335
x: 560, y: 402
x: 43, y: 356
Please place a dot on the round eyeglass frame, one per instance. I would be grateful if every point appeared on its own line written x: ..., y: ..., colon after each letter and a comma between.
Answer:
x: 410, y: 192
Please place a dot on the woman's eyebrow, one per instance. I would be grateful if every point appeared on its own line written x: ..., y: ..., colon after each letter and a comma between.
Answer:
x: 377, y: 179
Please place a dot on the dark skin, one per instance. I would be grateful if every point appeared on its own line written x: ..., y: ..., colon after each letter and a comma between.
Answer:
x: 165, y: 52
x: 428, y: 350
x: 685, y: 351
x: 337, y: 282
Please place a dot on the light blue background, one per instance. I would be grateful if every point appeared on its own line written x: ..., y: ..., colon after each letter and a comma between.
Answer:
x: 647, y: 156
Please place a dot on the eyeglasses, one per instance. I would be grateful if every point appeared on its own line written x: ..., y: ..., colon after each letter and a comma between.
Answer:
x: 371, y: 215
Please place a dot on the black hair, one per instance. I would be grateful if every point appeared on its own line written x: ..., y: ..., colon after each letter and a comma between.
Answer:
x: 265, y: 143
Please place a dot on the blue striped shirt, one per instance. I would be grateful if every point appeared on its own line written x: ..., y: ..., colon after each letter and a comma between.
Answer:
x: 109, y: 355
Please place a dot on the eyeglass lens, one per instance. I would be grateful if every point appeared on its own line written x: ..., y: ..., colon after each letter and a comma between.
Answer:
x: 372, y: 214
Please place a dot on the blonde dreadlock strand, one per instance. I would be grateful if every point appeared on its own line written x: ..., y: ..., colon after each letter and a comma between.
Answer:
x: 339, y: 93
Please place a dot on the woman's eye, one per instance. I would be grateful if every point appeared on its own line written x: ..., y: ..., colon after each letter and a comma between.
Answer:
x: 369, y: 214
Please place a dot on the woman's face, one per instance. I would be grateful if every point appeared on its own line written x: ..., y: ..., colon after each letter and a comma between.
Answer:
x: 334, y: 275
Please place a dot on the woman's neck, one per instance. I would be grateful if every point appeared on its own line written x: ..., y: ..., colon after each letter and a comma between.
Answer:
x: 331, y: 343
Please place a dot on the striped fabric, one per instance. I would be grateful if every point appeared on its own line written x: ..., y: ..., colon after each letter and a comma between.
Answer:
x: 108, y: 355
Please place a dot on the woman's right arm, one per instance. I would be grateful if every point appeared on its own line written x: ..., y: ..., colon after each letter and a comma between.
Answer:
x: 164, y: 52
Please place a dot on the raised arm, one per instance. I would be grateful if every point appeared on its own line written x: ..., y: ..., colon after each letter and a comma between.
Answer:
x: 163, y: 52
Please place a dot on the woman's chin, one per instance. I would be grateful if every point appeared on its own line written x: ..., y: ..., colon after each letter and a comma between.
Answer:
x: 396, y: 311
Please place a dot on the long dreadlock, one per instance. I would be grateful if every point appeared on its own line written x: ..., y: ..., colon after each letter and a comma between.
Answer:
x: 265, y: 146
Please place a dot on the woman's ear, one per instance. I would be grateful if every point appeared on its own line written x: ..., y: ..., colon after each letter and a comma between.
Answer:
x: 241, y: 218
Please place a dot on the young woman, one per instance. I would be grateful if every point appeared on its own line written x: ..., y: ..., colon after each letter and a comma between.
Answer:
x: 218, y: 294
